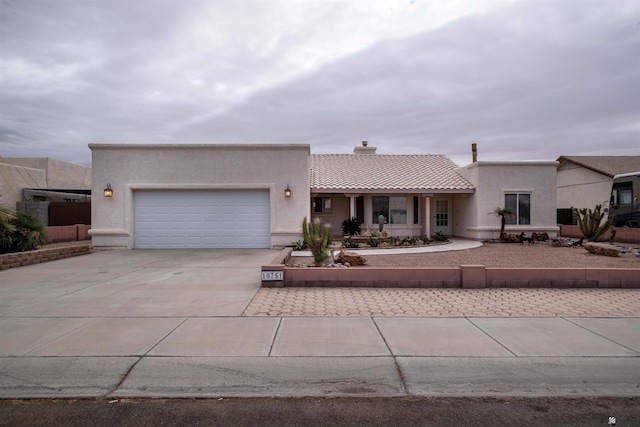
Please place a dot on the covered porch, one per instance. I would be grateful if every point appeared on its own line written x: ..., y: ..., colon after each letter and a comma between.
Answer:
x: 403, y: 213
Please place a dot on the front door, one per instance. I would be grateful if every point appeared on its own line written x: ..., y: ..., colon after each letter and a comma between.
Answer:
x: 442, y: 217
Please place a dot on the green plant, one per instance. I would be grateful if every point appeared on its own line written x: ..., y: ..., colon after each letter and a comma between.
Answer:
x: 316, y: 236
x: 590, y: 222
x: 503, y: 213
x: 409, y: 240
x: 7, y: 228
x: 373, y: 242
x: 349, y: 243
x: 351, y: 227
x: 425, y: 239
x: 395, y: 240
x: 20, y: 232
x: 380, y: 223
x: 439, y: 236
x: 299, y: 245
x: 30, y: 231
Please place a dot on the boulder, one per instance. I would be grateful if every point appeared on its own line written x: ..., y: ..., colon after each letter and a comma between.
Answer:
x: 602, y: 249
x: 350, y: 258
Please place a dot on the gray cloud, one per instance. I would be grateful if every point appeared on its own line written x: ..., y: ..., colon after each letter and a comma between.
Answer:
x: 525, y: 80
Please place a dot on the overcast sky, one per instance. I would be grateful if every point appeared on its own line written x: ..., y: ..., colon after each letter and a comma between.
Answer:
x: 523, y: 79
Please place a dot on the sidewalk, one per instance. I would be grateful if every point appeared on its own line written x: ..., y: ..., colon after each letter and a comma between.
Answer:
x: 169, y: 324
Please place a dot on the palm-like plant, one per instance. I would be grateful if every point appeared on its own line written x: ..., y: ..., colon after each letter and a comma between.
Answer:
x: 29, y: 232
x: 6, y: 228
x: 502, y: 213
x: 19, y: 231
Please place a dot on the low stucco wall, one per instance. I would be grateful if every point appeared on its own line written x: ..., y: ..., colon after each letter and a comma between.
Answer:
x: 465, y: 276
x: 68, y: 233
x: 624, y: 235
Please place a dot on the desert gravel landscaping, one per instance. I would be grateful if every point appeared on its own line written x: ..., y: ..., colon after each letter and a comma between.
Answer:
x: 506, y: 255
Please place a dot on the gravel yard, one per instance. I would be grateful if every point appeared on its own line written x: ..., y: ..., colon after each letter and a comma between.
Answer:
x: 502, y: 255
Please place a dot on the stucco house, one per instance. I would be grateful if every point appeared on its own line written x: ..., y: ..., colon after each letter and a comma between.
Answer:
x: 256, y: 196
x: 29, y: 184
x: 585, y: 181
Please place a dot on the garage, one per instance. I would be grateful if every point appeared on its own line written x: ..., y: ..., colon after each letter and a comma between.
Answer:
x: 166, y: 219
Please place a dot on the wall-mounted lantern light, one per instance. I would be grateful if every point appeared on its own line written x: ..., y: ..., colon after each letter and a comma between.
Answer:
x: 108, y: 191
x: 287, y: 191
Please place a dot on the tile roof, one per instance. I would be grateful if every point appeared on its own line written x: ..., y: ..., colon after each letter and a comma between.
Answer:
x: 382, y: 172
x: 606, y: 165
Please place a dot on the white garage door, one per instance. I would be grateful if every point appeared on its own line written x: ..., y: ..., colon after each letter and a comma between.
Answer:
x: 202, y: 219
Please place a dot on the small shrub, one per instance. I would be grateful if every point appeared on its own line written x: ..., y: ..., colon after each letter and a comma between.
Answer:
x: 349, y: 243
x: 373, y: 242
x: 20, y: 232
x: 425, y: 239
x: 351, y: 227
x: 409, y: 240
x: 299, y: 245
x: 439, y: 236
x: 395, y: 240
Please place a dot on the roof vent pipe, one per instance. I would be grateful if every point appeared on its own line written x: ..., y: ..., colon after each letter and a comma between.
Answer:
x: 474, y: 152
x: 365, y: 149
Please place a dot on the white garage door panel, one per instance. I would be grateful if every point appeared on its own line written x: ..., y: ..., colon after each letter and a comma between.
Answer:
x: 202, y: 219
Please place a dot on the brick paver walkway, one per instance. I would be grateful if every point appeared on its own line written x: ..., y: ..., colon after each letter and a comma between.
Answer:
x: 541, y: 302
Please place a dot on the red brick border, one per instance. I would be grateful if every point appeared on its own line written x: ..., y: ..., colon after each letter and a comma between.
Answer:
x: 19, y: 259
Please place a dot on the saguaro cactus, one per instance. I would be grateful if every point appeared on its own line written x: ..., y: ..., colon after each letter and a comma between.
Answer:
x: 590, y: 222
x: 316, y: 237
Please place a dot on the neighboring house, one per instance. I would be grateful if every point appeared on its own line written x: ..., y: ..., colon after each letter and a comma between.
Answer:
x: 234, y: 196
x: 585, y: 181
x: 30, y: 183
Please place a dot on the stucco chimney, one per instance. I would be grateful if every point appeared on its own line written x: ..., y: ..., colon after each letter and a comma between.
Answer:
x: 365, y: 149
x: 474, y: 152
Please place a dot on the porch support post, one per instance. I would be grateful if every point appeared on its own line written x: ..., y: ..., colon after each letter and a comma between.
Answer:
x: 427, y: 214
x: 352, y: 204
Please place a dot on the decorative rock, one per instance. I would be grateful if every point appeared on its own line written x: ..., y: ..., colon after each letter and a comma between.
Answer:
x: 350, y: 258
x: 602, y: 249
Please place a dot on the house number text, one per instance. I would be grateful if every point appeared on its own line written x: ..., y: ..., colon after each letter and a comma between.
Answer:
x: 272, y: 275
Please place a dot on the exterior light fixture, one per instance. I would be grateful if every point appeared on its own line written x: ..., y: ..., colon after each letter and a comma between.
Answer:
x: 287, y: 191
x: 108, y: 191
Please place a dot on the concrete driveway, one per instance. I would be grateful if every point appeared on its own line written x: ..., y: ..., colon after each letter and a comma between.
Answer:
x: 137, y: 283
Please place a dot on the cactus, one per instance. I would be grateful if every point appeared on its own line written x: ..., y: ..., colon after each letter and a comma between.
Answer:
x: 590, y: 222
x: 317, y: 238
x: 380, y: 222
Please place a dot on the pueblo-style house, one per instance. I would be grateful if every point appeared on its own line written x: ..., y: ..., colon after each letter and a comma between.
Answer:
x: 256, y: 196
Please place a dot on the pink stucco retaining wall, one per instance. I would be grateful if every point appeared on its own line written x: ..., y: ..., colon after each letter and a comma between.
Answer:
x: 626, y: 235
x: 68, y: 233
x: 464, y: 276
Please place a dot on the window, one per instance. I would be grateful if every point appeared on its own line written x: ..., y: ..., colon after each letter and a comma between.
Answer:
x: 322, y: 205
x: 442, y: 213
x: 622, y: 194
x: 520, y: 205
x: 393, y: 208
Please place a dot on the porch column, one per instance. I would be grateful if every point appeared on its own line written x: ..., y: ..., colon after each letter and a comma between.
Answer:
x: 352, y: 204
x: 427, y: 214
